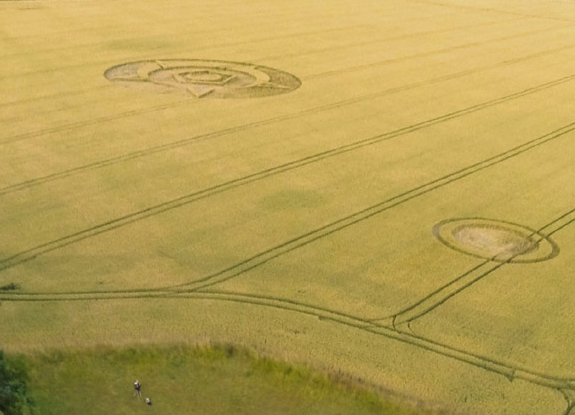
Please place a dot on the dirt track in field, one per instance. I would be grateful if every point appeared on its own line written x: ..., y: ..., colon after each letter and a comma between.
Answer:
x: 274, y: 174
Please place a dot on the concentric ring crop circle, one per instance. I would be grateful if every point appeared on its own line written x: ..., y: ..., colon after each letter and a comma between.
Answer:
x: 495, y: 240
x: 203, y: 78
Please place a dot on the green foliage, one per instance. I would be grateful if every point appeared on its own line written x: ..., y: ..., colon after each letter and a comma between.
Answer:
x: 14, y: 399
x: 222, y: 378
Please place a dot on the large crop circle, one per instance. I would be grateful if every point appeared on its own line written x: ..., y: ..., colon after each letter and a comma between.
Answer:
x: 495, y: 240
x: 203, y: 78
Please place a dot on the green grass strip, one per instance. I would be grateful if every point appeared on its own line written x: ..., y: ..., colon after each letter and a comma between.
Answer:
x: 208, y: 380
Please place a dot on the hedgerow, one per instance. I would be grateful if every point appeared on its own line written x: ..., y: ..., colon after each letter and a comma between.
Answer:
x: 14, y: 399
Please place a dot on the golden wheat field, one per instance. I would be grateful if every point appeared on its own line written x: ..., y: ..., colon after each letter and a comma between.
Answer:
x: 379, y: 187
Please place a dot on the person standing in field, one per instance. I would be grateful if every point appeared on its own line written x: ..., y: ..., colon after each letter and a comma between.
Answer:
x: 137, y: 388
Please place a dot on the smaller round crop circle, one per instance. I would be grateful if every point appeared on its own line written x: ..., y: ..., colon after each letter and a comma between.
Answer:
x: 203, y: 78
x: 495, y: 240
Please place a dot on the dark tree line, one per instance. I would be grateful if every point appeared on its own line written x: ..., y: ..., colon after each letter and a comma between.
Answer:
x: 14, y: 399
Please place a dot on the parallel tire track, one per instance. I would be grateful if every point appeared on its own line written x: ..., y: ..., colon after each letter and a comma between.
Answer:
x: 311, y: 236
x: 487, y: 267
x: 406, y: 36
x: 509, y: 370
x: 336, y: 226
x: 189, y: 141
x: 108, y: 118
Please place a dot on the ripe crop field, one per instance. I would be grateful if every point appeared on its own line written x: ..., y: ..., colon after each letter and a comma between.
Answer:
x: 378, y: 187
